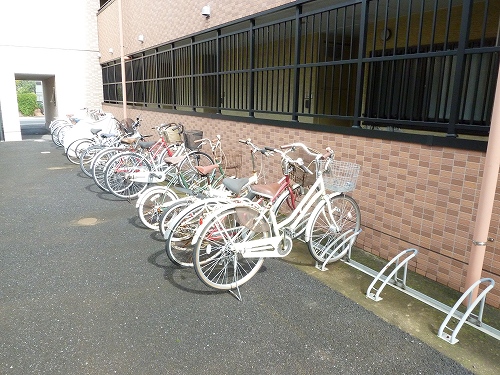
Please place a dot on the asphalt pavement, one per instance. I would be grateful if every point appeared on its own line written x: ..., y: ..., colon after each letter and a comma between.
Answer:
x: 85, y: 289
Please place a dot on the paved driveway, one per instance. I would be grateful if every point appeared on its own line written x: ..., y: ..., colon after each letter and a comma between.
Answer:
x: 86, y: 290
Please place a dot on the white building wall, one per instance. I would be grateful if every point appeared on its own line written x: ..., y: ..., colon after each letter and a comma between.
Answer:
x: 53, y: 38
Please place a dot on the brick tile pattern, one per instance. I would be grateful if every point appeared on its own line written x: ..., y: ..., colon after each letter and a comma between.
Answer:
x: 163, y: 21
x: 410, y: 196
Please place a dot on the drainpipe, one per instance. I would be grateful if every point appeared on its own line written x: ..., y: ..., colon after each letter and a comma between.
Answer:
x: 122, y: 59
x: 486, y: 197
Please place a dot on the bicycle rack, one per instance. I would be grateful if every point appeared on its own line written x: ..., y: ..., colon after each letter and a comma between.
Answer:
x: 393, y: 276
x: 400, y: 284
x: 348, y: 237
x: 467, y: 316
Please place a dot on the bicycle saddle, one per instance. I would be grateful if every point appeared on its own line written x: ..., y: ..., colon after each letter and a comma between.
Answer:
x: 204, y: 170
x: 235, y: 184
x: 266, y: 190
x: 146, y: 144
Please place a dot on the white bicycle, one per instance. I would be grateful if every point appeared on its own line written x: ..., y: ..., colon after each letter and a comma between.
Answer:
x: 231, y: 244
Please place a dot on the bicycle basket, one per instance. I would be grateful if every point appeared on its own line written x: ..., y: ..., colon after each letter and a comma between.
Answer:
x: 170, y: 135
x: 340, y: 176
x: 190, y: 136
x: 298, y: 175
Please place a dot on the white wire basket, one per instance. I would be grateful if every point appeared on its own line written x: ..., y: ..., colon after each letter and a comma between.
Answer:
x: 340, y: 176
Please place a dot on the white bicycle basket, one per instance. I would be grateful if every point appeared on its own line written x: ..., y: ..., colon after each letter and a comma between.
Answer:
x: 340, y: 176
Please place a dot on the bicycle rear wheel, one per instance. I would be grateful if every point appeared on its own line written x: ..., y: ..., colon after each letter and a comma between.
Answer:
x: 99, y: 165
x: 189, y: 176
x: 216, y: 261
x: 119, y: 175
x: 180, y: 230
x: 152, y: 203
x: 326, y: 233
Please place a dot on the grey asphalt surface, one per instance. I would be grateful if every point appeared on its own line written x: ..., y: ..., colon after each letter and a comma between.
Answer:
x: 86, y: 290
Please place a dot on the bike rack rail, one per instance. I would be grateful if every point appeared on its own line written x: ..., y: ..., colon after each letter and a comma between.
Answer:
x: 452, y: 312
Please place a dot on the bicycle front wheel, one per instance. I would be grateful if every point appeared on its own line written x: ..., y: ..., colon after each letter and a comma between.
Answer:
x: 216, y: 261
x: 76, y: 148
x: 327, y: 232
x: 171, y: 211
x: 99, y: 163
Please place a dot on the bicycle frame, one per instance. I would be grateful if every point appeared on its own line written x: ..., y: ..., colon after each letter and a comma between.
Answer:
x: 269, y: 246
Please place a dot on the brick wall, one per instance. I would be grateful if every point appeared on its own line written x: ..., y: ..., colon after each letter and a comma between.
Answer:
x: 410, y: 196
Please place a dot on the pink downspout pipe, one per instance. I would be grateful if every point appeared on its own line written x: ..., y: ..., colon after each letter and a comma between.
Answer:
x: 122, y: 59
x: 486, y: 198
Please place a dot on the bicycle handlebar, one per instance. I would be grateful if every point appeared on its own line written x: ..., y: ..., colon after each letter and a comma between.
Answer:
x: 263, y: 151
x: 299, y: 161
x: 208, y: 139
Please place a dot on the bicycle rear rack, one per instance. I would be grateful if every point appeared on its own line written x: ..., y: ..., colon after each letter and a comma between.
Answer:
x: 400, y: 261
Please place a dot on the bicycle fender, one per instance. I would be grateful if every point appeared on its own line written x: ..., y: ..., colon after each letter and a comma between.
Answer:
x: 307, y: 234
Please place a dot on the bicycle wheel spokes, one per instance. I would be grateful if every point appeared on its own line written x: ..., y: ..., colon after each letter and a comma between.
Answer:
x: 215, y: 260
x: 119, y: 175
x: 86, y: 159
x: 179, y: 236
x: 329, y: 231
x: 152, y: 206
x: 189, y: 177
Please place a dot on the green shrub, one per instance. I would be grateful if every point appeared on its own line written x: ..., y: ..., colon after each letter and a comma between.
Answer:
x: 25, y: 86
x: 27, y: 103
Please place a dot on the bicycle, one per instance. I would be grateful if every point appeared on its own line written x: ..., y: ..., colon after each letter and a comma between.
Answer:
x: 232, y: 243
x: 125, y: 128
x: 156, y: 212
x: 128, y: 141
x: 188, y: 216
x: 128, y: 174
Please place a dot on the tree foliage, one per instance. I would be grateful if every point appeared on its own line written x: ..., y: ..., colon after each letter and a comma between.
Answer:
x: 24, y: 87
x: 27, y: 103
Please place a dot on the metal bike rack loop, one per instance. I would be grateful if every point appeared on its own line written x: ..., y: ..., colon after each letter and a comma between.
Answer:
x: 467, y: 316
x: 346, y: 237
x: 373, y: 293
x: 400, y: 284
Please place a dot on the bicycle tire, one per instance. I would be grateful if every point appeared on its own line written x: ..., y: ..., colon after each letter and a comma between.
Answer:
x: 99, y: 165
x: 117, y: 175
x: 215, y: 261
x: 323, y: 238
x: 73, y: 151
x: 61, y: 133
x: 171, y: 211
x: 150, y: 205
x: 55, y: 134
x: 86, y: 158
x: 179, y: 232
